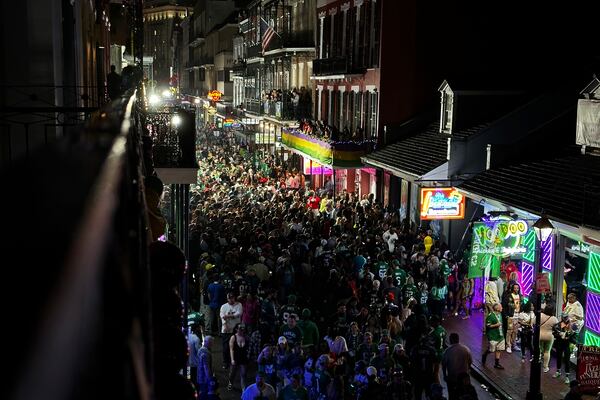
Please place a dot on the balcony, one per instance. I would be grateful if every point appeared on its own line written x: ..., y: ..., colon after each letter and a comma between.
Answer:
x: 282, y: 110
x: 334, y: 66
x: 239, y: 68
x: 254, y: 106
x: 330, y: 153
x: 254, y: 51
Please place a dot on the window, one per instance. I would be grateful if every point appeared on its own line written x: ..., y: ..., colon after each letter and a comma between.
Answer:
x: 447, y: 111
x: 220, y: 75
x: 201, y: 75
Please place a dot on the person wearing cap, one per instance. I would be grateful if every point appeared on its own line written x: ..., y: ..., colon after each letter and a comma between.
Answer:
x: 374, y: 389
x: 386, y: 339
x: 383, y: 362
x: 310, y: 331
x: 564, y: 336
x: 259, y: 390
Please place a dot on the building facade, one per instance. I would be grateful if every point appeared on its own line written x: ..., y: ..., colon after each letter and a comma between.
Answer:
x: 273, y: 55
x: 162, y: 37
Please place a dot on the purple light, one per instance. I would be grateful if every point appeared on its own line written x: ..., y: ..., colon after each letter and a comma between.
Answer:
x: 592, y: 314
x: 526, y: 278
x: 548, y: 253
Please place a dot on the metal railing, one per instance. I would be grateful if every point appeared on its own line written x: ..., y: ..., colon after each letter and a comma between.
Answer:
x: 33, y: 116
x: 331, y: 66
x: 84, y: 320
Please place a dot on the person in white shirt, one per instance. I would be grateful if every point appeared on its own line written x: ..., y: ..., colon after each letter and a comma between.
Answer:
x: 491, y: 295
x: 231, y: 315
x: 390, y: 236
x: 575, y: 311
x: 259, y: 390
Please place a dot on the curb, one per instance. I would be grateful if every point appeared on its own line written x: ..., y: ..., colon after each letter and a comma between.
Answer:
x: 492, y: 387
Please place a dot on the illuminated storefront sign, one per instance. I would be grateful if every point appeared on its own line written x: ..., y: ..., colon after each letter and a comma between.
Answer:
x: 497, y: 239
x: 215, y: 95
x: 230, y: 123
x: 442, y: 203
x: 315, y: 168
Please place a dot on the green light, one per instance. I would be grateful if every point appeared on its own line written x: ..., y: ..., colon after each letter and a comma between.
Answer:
x: 529, y: 243
x: 591, y: 339
x: 594, y: 272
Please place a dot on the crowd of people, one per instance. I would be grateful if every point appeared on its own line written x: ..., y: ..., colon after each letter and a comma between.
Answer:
x: 328, y: 297
x: 510, y: 320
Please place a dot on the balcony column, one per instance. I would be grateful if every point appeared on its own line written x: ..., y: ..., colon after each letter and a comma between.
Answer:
x: 332, y: 51
x: 345, y: 7
x: 321, y: 27
x: 342, y: 89
x: 319, y: 101
x: 329, y: 105
x: 357, y: 4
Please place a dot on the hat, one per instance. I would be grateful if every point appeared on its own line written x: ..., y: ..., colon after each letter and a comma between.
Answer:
x: 399, y: 346
x: 372, y: 371
x: 281, y: 340
x: 204, y: 255
x: 382, y: 346
x: 306, y: 313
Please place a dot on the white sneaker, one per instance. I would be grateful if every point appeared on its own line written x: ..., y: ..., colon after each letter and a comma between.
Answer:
x: 508, y: 349
x: 556, y: 374
x: 546, y: 369
x: 567, y: 380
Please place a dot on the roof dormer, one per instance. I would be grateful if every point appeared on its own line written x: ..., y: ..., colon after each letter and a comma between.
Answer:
x: 588, y: 116
x: 446, y: 108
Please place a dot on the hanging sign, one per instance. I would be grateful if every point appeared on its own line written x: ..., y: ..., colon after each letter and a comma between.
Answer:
x: 442, y: 203
x: 494, y: 240
x: 215, y: 95
x: 588, y: 369
x: 542, y: 284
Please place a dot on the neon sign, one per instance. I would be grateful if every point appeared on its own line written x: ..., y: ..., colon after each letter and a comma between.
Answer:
x: 442, y: 203
x: 215, y: 95
x: 497, y: 239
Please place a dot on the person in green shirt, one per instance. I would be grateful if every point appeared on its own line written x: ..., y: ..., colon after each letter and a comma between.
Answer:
x: 409, y: 290
x: 294, y: 391
x: 309, y: 329
x: 493, y: 331
x: 438, y: 335
x: 399, y: 275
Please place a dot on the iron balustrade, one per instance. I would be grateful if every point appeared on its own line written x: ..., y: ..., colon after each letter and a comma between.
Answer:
x: 77, y: 224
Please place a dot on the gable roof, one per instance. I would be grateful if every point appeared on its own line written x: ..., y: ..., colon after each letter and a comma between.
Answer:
x: 415, y: 155
x: 566, y: 188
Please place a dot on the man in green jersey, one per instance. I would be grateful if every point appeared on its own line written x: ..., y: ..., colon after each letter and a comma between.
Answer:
x: 493, y: 331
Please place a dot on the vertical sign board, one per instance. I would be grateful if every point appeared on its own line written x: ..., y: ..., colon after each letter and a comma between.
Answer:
x: 588, y: 369
x: 494, y: 240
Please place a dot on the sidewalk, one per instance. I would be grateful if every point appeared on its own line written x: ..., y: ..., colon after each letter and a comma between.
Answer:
x: 513, y: 381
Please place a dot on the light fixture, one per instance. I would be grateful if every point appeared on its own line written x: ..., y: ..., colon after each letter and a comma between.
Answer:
x: 154, y: 99
x: 197, y: 100
x: 166, y: 93
x: 543, y: 228
x: 176, y: 120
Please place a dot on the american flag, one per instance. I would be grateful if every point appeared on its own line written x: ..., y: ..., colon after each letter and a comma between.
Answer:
x: 268, y: 33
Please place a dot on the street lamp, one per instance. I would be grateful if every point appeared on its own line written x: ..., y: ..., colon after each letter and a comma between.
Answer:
x: 543, y: 228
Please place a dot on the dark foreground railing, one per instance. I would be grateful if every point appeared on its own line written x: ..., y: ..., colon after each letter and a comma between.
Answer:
x: 75, y: 278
